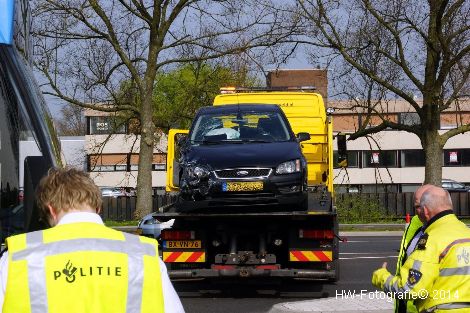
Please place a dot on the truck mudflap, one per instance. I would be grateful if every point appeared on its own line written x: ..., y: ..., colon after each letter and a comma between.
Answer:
x: 246, y: 272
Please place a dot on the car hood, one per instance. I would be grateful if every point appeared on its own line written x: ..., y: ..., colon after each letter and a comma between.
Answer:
x: 222, y: 156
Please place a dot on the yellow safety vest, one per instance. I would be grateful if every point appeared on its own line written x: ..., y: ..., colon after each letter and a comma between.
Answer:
x: 82, y: 267
x: 410, y: 231
x: 437, y: 273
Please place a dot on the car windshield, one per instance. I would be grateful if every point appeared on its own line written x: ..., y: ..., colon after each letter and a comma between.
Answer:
x: 240, y: 127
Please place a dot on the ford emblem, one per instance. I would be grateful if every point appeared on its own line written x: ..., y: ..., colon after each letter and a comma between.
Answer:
x: 242, y: 173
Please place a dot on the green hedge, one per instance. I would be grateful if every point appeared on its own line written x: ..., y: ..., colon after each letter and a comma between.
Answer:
x: 355, y: 208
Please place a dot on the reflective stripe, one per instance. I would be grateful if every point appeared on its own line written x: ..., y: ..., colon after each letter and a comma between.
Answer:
x: 135, y: 281
x: 36, y: 275
x: 387, y: 283
x: 417, y: 265
x: 464, y: 270
x: 453, y: 243
x: 406, y: 287
x: 36, y: 252
x: 84, y: 244
x: 34, y: 239
x: 449, y: 306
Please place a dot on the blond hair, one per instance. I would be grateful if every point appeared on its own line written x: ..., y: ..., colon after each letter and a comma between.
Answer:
x: 65, y: 189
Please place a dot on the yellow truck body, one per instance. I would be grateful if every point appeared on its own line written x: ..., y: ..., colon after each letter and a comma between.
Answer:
x: 306, y: 112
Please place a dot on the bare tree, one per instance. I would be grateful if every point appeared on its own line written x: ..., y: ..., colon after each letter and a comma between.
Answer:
x: 72, y: 121
x: 396, y: 49
x: 87, y: 48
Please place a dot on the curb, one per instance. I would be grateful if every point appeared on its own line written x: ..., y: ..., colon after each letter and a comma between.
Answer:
x: 126, y: 229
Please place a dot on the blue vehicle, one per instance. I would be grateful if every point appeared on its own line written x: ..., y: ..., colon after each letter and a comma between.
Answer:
x: 23, y: 118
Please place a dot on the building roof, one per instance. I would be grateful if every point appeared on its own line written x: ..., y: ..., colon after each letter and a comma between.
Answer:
x: 390, y: 106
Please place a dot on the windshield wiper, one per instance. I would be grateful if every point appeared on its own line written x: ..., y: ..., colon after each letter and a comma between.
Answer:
x: 257, y: 141
x: 210, y: 142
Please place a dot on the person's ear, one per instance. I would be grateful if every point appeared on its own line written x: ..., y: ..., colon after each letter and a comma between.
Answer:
x: 426, y: 212
x: 98, y: 210
x: 52, y: 218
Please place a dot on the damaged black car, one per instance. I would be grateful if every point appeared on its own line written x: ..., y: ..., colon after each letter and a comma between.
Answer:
x: 243, y: 156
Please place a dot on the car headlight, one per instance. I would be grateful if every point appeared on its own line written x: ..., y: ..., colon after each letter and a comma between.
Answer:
x: 198, y: 172
x: 288, y: 167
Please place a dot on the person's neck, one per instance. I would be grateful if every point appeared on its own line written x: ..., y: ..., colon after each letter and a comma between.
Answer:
x: 438, y: 216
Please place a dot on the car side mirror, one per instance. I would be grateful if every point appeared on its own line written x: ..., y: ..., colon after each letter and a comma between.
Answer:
x: 303, y: 137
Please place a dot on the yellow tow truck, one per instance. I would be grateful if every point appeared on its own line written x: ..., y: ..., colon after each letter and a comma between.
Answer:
x: 248, y: 205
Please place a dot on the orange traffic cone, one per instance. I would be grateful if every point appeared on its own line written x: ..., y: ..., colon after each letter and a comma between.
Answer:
x: 407, y: 220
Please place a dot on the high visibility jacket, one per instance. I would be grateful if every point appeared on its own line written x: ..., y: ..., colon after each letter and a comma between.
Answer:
x: 82, y: 267
x: 437, y: 273
x: 415, y: 225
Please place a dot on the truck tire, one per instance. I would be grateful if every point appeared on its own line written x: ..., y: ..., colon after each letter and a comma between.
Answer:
x: 337, y: 271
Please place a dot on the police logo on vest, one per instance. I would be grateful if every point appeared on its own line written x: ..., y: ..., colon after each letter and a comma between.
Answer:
x: 463, y: 256
x: 71, y: 272
x: 414, y: 276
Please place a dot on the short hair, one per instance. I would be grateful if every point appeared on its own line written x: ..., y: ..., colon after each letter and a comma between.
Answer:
x: 436, y: 199
x: 65, y: 189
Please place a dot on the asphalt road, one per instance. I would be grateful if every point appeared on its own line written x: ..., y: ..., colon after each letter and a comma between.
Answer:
x: 358, y: 257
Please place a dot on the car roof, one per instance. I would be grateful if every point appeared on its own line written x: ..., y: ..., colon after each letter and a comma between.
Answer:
x: 234, y: 108
x: 445, y: 180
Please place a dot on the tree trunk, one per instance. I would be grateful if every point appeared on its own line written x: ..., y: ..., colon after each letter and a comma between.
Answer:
x: 433, y: 157
x: 144, y: 178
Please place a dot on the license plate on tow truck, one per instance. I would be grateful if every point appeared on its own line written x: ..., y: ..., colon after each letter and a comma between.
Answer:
x: 243, y: 186
x: 176, y: 244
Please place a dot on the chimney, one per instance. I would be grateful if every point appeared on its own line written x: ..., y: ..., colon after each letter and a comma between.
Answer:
x: 296, y: 78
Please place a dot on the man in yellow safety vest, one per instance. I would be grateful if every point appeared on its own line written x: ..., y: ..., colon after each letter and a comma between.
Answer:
x: 80, y: 265
x: 408, y: 244
x: 437, y: 273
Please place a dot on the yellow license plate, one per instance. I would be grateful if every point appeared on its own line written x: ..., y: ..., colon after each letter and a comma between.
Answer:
x: 175, y: 244
x: 243, y: 186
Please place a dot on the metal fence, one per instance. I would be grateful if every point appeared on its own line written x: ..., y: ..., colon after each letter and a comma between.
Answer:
x: 396, y: 204
x: 123, y: 208
x: 399, y: 204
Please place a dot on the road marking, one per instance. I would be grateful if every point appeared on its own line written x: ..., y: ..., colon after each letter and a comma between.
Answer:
x: 354, y: 253
x: 371, y: 257
x: 354, y: 241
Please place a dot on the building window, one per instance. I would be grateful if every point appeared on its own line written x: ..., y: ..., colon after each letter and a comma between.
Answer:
x: 105, y: 125
x: 457, y: 157
x: 410, y: 118
x: 122, y: 162
x: 134, y: 167
x: 386, y: 158
x: 121, y: 168
x: 159, y: 162
x: 159, y: 167
x: 379, y: 188
x: 412, y: 158
x: 106, y: 162
x: 353, y: 159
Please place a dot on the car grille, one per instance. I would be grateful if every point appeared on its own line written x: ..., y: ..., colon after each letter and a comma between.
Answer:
x: 249, y: 173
